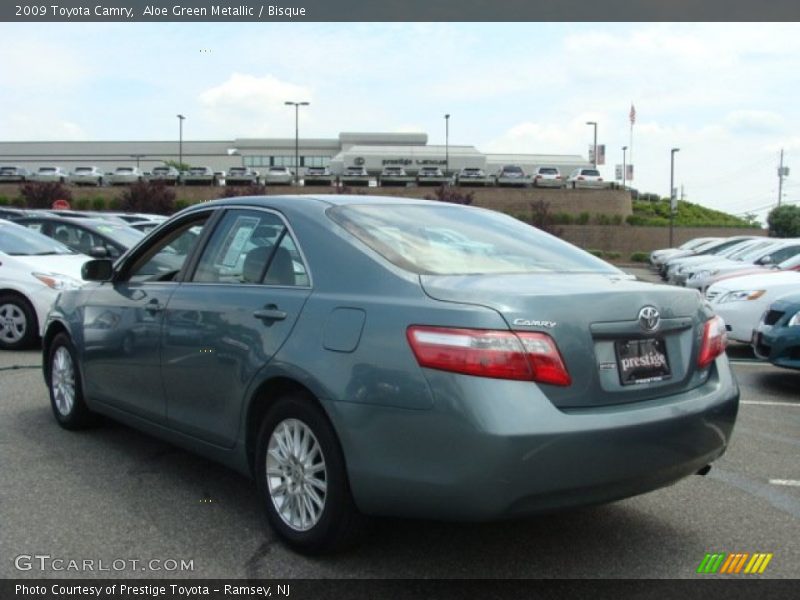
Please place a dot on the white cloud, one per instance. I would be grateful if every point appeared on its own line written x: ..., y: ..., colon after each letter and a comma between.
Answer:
x: 251, y: 105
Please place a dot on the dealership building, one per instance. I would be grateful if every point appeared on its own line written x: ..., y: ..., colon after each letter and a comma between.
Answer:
x: 374, y: 151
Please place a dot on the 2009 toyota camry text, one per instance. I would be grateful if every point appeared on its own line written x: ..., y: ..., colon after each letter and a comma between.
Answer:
x: 364, y: 356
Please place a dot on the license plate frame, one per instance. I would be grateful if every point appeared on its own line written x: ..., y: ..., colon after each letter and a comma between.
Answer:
x: 642, y: 361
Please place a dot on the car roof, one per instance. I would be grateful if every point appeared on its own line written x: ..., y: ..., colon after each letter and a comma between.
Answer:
x: 300, y: 201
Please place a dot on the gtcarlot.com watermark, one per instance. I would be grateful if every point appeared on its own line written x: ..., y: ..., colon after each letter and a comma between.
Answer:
x: 46, y: 562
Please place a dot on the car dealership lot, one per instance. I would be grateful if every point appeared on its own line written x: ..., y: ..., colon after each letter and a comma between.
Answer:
x: 112, y: 493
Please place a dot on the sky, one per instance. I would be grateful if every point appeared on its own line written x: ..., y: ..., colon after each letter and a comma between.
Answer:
x: 725, y: 94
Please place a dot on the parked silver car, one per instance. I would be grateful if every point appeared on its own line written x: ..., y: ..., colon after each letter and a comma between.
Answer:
x: 200, y: 176
x: 242, y: 176
x: 125, y: 176
x: 585, y: 178
x: 473, y: 176
x: 49, y: 175
x: 278, y: 176
x: 10, y: 174
x: 165, y: 174
x: 86, y: 176
x: 547, y: 177
x: 512, y: 176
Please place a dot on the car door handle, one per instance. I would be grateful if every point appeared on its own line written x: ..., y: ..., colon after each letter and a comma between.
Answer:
x: 154, y: 306
x: 270, y: 313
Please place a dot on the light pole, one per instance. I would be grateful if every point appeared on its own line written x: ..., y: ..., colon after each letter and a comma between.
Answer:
x: 672, y: 202
x: 594, y: 157
x: 297, y: 106
x: 180, y: 144
x: 446, y: 144
x: 624, y: 165
x: 137, y: 157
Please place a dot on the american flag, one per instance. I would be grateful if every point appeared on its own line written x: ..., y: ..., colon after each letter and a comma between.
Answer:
x: 633, y: 114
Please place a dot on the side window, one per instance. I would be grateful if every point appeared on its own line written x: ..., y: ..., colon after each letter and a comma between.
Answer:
x: 781, y: 255
x: 34, y: 226
x: 166, y: 256
x: 249, y: 247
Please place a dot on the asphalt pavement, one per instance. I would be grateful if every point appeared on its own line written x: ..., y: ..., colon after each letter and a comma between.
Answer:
x: 114, y: 494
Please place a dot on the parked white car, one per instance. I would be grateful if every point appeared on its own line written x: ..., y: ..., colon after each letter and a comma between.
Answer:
x: 242, y: 176
x: 658, y: 257
x: 200, y: 176
x: 49, y: 175
x: 512, y: 176
x: 12, y: 174
x: 357, y: 176
x: 125, y: 176
x: 34, y: 270
x: 766, y: 256
x: 547, y: 177
x: 741, y: 301
x: 165, y: 174
x: 86, y: 176
x: 733, y: 253
x: 469, y: 176
x: 278, y: 176
x: 586, y: 179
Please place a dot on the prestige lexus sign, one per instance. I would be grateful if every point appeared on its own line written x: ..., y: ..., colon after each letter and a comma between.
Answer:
x: 404, y: 162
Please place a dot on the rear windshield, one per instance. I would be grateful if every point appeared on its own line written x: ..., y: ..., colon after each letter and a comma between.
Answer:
x: 197, y: 170
x: 83, y: 169
x: 160, y: 169
x: 548, y: 171
x: 512, y: 169
x: 124, y: 169
x: 236, y: 170
x: 17, y: 241
x: 125, y: 235
x: 46, y: 169
x: 591, y: 172
x: 8, y: 169
x: 278, y: 169
x: 452, y: 240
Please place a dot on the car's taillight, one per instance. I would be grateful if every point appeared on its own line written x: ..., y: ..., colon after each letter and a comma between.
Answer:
x: 525, y: 356
x: 538, y: 177
x: 599, y: 179
x: 558, y: 176
x: 580, y: 178
x: 715, y: 339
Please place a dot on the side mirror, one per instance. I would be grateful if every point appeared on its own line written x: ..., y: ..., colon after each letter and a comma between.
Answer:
x: 765, y: 260
x: 98, y: 252
x: 99, y: 269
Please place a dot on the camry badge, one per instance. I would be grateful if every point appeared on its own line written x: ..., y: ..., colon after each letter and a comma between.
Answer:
x: 649, y: 318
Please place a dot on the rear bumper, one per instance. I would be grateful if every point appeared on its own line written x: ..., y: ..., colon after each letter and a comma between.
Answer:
x: 491, y: 449
x: 779, y: 345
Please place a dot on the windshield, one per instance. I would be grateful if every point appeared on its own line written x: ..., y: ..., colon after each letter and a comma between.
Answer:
x: 17, y: 241
x: 127, y: 236
x: 451, y: 240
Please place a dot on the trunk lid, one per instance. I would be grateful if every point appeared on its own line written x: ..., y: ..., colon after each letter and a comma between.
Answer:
x: 590, y: 317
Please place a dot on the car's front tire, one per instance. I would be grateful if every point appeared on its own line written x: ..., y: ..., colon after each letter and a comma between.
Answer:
x: 302, y: 479
x: 18, y: 325
x: 66, y: 387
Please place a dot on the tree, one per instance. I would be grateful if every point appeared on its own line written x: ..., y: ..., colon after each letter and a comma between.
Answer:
x: 181, y: 166
x: 42, y: 194
x: 452, y: 195
x: 148, y: 197
x: 784, y: 221
x: 543, y: 219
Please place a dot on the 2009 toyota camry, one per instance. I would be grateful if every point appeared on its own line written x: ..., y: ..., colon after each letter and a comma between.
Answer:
x: 367, y: 356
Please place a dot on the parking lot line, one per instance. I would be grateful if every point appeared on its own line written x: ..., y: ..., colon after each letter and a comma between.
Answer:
x: 789, y: 482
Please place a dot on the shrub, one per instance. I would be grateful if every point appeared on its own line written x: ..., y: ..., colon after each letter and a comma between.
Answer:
x: 81, y: 204
x: 563, y: 218
x: 541, y: 218
x: 602, y: 219
x: 595, y: 252
x: 3, y: 200
x: 18, y: 202
x: 42, y: 195
x: 784, y: 221
x: 453, y: 195
x: 640, y: 257
x: 181, y: 203
x: 616, y: 220
x: 148, y: 197
x: 98, y: 203
x: 583, y: 218
x: 612, y: 255
x: 114, y: 203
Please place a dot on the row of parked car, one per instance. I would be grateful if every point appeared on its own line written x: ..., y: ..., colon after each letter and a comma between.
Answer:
x: 42, y: 254
x: 752, y: 282
x: 508, y: 175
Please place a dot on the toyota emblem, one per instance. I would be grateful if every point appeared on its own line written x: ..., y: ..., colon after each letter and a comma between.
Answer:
x: 649, y: 318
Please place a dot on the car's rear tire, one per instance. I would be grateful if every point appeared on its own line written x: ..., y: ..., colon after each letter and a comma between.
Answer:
x: 65, y: 385
x: 302, y: 478
x: 18, y: 324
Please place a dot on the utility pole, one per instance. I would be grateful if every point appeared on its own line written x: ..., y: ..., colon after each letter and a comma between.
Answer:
x: 781, y: 173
